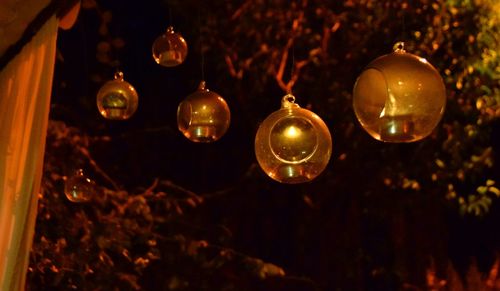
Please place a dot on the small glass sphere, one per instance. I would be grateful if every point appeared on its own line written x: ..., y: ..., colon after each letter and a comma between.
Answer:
x: 117, y: 99
x: 79, y: 188
x: 399, y: 97
x: 170, y: 49
x: 203, y: 116
x: 293, y: 145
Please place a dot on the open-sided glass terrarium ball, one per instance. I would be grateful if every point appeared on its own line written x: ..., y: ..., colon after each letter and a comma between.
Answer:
x: 203, y: 116
x: 117, y: 99
x: 79, y: 188
x: 293, y: 145
x: 170, y: 49
x: 399, y: 97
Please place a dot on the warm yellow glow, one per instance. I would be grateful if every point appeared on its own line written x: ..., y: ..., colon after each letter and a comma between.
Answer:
x: 393, y: 129
x: 293, y: 145
x: 399, y: 97
x: 292, y: 132
x: 423, y: 60
x: 117, y: 99
x: 203, y: 116
x: 382, y: 114
x: 170, y: 49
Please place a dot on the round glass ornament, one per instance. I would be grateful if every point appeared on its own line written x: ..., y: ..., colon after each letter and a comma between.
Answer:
x: 399, y: 97
x: 203, y: 116
x: 170, y: 49
x: 293, y: 145
x: 78, y: 188
x: 117, y: 99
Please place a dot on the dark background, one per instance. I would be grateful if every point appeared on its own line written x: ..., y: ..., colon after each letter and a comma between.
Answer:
x: 356, y: 227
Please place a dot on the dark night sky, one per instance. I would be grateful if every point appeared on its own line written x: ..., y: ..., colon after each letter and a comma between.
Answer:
x: 149, y: 144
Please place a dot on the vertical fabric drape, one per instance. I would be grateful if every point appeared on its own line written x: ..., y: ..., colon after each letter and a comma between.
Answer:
x: 25, y: 88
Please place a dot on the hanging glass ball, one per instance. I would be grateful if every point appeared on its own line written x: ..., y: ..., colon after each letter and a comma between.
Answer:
x: 170, y: 49
x: 79, y: 188
x: 117, y: 99
x: 293, y: 145
x: 203, y: 116
x: 399, y: 97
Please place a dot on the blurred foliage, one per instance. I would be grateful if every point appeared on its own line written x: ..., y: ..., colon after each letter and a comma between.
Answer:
x: 122, y: 241
x: 345, y: 235
x: 474, y: 279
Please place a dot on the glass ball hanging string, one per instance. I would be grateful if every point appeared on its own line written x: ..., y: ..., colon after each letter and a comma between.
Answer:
x: 79, y: 188
x: 399, y: 97
x: 117, y: 99
x: 292, y: 145
x: 204, y: 115
x: 170, y: 49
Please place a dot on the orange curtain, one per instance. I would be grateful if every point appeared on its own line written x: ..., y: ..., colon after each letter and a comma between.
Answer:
x: 25, y: 88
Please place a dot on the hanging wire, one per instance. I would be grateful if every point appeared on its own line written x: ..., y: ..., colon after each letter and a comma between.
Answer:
x: 403, y: 22
x: 202, y: 61
x: 115, y: 65
x: 405, y: 6
x: 292, y: 69
x: 202, y: 52
x: 402, y: 38
x: 170, y: 20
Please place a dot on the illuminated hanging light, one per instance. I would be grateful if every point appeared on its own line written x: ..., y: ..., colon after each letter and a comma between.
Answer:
x: 117, y: 99
x: 293, y: 145
x: 203, y: 116
x: 79, y: 188
x: 170, y: 49
x: 399, y: 97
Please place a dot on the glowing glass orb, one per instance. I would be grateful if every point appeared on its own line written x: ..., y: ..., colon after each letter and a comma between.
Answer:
x: 203, y: 116
x: 293, y: 145
x: 79, y: 188
x: 170, y: 49
x: 117, y: 99
x: 399, y: 97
